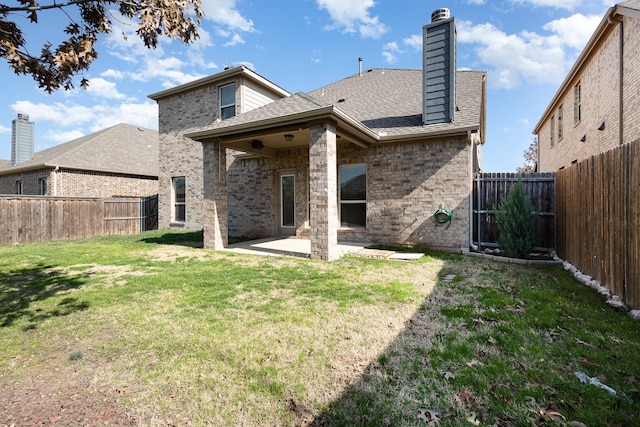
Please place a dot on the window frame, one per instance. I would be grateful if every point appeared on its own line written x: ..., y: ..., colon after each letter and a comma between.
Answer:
x: 560, y: 122
x: 42, y: 186
x: 224, y: 107
x: 352, y: 202
x: 552, y: 130
x: 577, y: 103
x: 175, y: 203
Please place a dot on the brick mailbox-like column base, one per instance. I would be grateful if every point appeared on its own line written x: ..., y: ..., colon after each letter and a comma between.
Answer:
x: 323, y: 192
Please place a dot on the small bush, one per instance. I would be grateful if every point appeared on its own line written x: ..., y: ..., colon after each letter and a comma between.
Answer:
x: 516, y: 223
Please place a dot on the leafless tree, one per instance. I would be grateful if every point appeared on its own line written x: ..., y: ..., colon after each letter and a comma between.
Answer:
x: 530, y: 158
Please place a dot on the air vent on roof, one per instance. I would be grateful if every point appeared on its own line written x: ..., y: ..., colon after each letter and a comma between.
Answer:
x: 440, y: 14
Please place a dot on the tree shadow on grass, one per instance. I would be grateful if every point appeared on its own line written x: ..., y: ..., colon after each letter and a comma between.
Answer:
x: 193, y: 239
x: 22, y: 290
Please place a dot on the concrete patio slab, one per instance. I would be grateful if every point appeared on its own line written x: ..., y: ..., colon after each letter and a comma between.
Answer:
x: 287, y: 246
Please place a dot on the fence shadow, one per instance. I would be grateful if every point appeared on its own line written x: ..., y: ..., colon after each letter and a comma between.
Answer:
x: 21, y: 291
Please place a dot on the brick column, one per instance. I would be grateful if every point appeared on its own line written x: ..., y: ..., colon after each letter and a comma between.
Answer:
x: 214, y: 172
x: 323, y: 192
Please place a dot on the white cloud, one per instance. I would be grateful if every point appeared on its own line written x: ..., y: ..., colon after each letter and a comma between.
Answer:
x: 5, y: 129
x: 389, y: 52
x: 104, y: 89
x: 236, y: 39
x: 353, y: 16
x: 575, y: 30
x: 59, y: 113
x: 224, y: 12
x: 414, y: 42
x: 95, y: 117
x: 565, y: 4
x: 528, y: 56
x: 112, y: 74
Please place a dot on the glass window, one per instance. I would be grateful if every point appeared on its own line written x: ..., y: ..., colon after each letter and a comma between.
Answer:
x: 179, y: 199
x: 42, y: 184
x: 577, y: 103
x: 18, y: 187
x: 552, y: 130
x: 227, y: 101
x: 560, y: 116
x: 353, y: 195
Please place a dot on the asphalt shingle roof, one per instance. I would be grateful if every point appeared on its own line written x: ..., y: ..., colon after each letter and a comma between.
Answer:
x: 122, y: 148
x: 387, y: 101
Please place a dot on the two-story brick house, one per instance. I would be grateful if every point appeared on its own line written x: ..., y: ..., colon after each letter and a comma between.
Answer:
x: 597, y: 106
x: 372, y: 157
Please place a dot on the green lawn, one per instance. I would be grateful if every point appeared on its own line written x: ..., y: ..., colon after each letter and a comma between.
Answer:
x: 215, y: 338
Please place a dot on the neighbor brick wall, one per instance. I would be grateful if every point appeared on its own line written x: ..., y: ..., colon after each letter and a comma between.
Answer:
x: 75, y: 183
x: 599, y: 79
x: 30, y: 182
x: 631, y: 80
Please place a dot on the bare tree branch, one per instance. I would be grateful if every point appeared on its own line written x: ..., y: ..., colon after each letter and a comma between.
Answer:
x: 56, y: 67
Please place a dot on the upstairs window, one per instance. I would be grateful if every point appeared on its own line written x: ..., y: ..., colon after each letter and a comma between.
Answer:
x: 577, y: 103
x: 353, y: 196
x: 552, y: 130
x: 178, y: 194
x: 18, y: 187
x: 560, y: 122
x: 227, y: 101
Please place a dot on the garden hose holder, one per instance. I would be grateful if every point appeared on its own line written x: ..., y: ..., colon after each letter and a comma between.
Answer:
x: 443, y: 216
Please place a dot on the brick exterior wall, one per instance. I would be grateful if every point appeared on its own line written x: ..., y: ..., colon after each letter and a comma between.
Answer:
x: 406, y: 184
x: 30, y: 182
x: 185, y: 112
x: 599, y: 81
x: 76, y: 183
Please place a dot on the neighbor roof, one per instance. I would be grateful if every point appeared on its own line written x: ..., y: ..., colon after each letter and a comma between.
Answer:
x: 123, y: 149
x: 385, y: 103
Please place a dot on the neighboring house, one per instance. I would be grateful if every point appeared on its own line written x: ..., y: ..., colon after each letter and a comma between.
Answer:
x: 598, y: 105
x: 370, y: 158
x: 120, y: 161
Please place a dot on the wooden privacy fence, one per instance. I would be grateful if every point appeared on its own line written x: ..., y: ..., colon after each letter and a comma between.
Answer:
x: 41, y: 218
x: 491, y: 189
x: 598, y: 219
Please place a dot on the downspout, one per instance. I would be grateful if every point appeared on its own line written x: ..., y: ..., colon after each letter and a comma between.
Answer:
x: 613, y: 20
x: 475, y: 160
